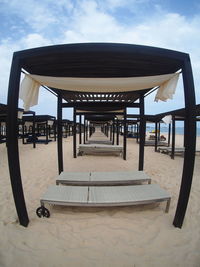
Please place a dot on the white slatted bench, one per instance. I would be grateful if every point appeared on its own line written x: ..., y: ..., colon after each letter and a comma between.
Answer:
x: 100, y: 148
x: 93, y: 196
x: 102, y: 178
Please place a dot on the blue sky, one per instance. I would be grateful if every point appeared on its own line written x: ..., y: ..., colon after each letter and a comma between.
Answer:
x: 161, y: 23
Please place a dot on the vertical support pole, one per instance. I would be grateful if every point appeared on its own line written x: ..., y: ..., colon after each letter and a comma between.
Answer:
x: 158, y: 131
x: 54, y: 129
x: 125, y: 134
x: 33, y: 131
x: 190, y: 143
x: 137, y: 136
x: 23, y: 133
x: 173, y: 136
x: 59, y: 134
x: 84, y: 129
x: 117, y: 132
x: 107, y: 129
x: 113, y: 136
x: 80, y: 130
x: 169, y: 134
x: 110, y: 132
x: 184, y: 133
x: 47, y: 132
x: 142, y: 134
x: 74, y: 134
x: 156, y: 136
x: 12, y: 142
x: 87, y: 130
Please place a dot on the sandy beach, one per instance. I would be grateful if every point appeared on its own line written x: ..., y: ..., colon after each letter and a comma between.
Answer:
x: 126, y: 236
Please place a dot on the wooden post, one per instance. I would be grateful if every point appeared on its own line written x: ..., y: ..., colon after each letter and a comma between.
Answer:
x: 125, y: 134
x: 113, y: 136
x: 117, y: 132
x: 137, y: 137
x: 12, y: 142
x: 142, y: 134
x: 169, y: 134
x: 190, y: 143
x: 33, y: 131
x: 80, y: 130
x: 173, y: 136
x: 23, y: 133
x: 156, y: 136
x: 59, y: 134
x: 47, y: 132
x: 54, y: 129
x: 74, y: 134
x: 158, y: 131
x: 84, y: 129
x: 110, y: 132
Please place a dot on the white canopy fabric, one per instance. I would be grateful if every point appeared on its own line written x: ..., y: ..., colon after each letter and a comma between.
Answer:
x: 167, y: 119
x: 29, y: 89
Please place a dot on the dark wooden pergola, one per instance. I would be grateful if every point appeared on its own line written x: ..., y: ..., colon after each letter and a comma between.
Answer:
x: 178, y: 115
x: 38, y: 120
x: 100, y: 60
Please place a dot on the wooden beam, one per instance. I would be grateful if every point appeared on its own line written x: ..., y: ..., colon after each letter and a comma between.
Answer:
x: 99, y: 105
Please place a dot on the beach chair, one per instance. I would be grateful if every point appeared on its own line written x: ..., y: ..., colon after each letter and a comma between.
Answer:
x: 102, y: 196
x: 103, y: 178
x: 100, y: 149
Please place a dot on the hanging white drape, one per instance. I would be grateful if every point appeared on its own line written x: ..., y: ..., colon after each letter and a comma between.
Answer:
x: 167, y: 119
x: 167, y: 89
x: 29, y: 92
x: 29, y: 89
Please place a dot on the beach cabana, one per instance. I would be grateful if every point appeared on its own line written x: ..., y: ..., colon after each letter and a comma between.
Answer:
x: 174, y: 116
x: 3, y: 121
x: 43, y: 126
x: 106, y: 146
x: 119, y: 73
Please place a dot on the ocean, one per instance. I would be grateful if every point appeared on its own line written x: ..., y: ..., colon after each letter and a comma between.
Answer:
x: 179, y: 130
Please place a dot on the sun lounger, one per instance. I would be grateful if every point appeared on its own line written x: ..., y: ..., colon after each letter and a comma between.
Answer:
x: 119, y: 178
x: 97, y: 196
x: 177, y: 150
x: 102, y: 178
x: 100, y: 148
x: 152, y: 143
x: 73, y: 178
x: 100, y: 142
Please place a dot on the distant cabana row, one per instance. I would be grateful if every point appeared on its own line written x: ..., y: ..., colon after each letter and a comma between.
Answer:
x: 174, y: 116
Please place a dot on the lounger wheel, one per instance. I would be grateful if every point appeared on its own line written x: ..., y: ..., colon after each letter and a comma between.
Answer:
x: 42, y: 212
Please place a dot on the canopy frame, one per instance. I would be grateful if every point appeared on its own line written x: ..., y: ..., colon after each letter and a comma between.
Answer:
x: 172, y: 60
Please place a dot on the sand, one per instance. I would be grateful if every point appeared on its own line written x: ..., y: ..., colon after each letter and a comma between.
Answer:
x: 125, y: 236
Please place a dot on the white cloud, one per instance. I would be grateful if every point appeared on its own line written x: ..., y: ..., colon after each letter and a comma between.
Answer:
x: 34, y: 40
x: 65, y: 21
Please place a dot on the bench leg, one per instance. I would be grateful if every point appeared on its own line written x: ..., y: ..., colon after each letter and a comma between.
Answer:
x: 167, y: 206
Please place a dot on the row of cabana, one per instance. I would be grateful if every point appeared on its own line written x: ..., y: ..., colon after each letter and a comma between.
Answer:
x: 32, y: 126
